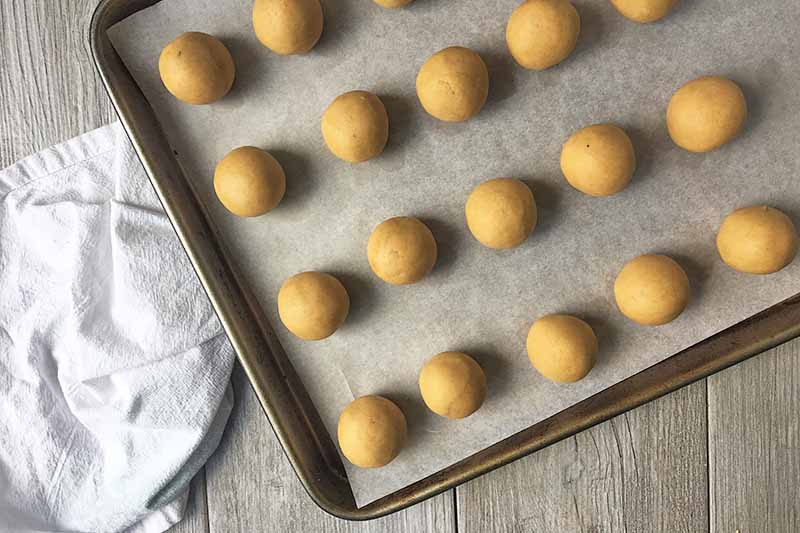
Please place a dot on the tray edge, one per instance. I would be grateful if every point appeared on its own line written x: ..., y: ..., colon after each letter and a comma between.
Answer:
x: 763, y: 331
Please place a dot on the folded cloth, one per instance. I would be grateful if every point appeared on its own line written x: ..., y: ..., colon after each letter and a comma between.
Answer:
x: 114, y: 370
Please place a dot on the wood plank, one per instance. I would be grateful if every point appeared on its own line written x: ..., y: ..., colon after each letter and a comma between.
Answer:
x: 48, y: 86
x: 252, y: 487
x: 195, y: 517
x: 754, y: 443
x: 641, y: 471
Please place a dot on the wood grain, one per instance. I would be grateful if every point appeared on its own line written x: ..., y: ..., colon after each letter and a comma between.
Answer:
x: 252, y: 487
x: 195, y: 518
x: 48, y: 86
x: 641, y: 471
x: 754, y: 444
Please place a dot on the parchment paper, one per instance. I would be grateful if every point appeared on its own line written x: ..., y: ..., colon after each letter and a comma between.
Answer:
x: 477, y: 300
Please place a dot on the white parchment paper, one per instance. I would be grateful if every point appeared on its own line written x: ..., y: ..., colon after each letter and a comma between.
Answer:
x: 477, y: 300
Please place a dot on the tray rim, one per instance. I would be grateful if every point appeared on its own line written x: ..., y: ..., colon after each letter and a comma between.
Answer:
x: 279, y: 388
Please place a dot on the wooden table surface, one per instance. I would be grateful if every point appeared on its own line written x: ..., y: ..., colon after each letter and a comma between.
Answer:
x: 720, y: 455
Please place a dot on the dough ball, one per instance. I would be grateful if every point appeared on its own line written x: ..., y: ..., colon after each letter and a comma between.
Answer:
x: 452, y: 384
x: 401, y: 250
x: 196, y: 68
x: 288, y: 27
x: 757, y: 240
x: 562, y: 348
x: 453, y: 84
x: 706, y: 113
x: 392, y: 4
x: 542, y: 33
x: 644, y: 10
x: 501, y: 213
x: 249, y: 182
x: 312, y: 305
x: 598, y: 160
x: 372, y: 431
x: 355, y: 126
x: 652, y: 290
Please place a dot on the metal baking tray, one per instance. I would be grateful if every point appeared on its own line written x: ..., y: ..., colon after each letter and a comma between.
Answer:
x: 294, y: 418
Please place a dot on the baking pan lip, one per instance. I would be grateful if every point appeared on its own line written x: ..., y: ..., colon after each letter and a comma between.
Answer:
x: 733, y: 345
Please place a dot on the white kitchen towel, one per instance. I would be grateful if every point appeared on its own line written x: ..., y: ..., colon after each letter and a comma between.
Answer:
x: 114, y: 370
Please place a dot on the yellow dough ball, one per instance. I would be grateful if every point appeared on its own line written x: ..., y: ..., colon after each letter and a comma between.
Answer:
x: 313, y: 305
x: 562, y: 348
x: 644, y: 10
x: 249, y: 182
x: 372, y: 431
x: 401, y: 250
x: 288, y: 26
x: 392, y: 4
x: 542, y: 33
x: 598, y: 160
x: 652, y: 290
x: 706, y: 113
x: 452, y: 385
x: 501, y: 213
x: 196, y: 68
x: 453, y: 84
x: 757, y: 240
x: 355, y: 126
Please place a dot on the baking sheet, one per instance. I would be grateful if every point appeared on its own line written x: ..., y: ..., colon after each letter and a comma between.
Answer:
x: 478, y: 300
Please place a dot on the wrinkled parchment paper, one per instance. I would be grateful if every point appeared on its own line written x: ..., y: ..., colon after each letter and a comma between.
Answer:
x: 478, y: 300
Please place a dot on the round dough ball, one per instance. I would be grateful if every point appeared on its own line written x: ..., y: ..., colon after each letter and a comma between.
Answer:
x: 452, y: 385
x: 249, y: 182
x: 706, y: 113
x: 355, y: 126
x: 757, y: 240
x: 292, y: 27
x: 562, y: 348
x: 313, y: 305
x: 651, y: 290
x: 644, y: 10
x: 196, y: 68
x: 392, y: 4
x: 453, y: 84
x: 501, y: 213
x: 372, y: 431
x: 598, y: 160
x: 401, y: 250
x: 542, y: 33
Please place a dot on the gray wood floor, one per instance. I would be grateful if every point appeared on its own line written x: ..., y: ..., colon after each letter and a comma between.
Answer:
x: 721, y: 455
